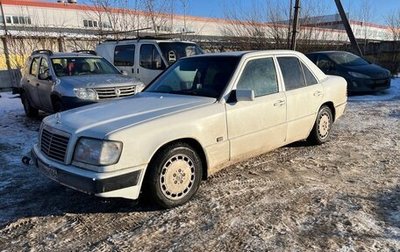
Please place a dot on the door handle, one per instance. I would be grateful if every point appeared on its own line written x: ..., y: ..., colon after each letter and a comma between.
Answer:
x: 28, y: 81
x: 279, y: 103
x: 133, y: 70
x: 137, y: 71
x: 37, y: 84
x: 317, y: 93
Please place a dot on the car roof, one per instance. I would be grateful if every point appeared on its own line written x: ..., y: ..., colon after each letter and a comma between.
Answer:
x: 250, y: 53
x: 146, y: 40
x: 73, y: 54
x: 326, y: 52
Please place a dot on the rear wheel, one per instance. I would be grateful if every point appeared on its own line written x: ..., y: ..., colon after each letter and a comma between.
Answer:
x: 174, y: 175
x: 30, y: 111
x: 322, y: 127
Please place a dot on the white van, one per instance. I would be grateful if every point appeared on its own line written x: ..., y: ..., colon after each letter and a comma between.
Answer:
x: 145, y: 59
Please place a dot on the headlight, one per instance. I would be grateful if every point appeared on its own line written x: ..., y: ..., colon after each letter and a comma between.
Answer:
x: 139, y: 88
x: 97, y: 152
x: 85, y: 93
x: 359, y: 75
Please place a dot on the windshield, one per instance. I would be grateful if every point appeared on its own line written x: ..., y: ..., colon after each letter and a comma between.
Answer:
x: 172, y: 51
x: 198, y: 76
x: 347, y: 59
x: 70, y: 66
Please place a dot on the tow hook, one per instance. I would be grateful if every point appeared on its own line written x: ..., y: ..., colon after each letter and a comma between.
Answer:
x: 26, y: 160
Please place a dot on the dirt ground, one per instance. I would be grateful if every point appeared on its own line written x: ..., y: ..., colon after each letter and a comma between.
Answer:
x: 340, y: 196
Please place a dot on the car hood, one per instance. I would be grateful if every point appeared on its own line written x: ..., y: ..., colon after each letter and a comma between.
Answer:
x: 102, y: 119
x: 371, y: 70
x: 99, y: 80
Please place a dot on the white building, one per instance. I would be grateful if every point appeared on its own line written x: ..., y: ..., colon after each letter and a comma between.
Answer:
x: 69, y: 25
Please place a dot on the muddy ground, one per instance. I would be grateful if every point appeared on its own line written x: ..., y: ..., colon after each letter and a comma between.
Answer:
x: 341, y: 196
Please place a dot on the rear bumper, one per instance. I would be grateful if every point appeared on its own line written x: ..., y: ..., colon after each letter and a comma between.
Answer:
x: 339, y: 109
x: 124, y: 184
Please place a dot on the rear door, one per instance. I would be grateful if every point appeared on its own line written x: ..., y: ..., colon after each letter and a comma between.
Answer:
x: 150, y: 64
x: 124, y: 58
x: 303, y: 94
x: 257, y: 126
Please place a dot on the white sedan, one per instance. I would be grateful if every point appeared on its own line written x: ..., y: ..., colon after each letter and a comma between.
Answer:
x: 201, y: 115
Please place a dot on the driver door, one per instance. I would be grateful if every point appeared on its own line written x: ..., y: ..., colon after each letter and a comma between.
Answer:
x: 257, y: 126
x: 151, y: 63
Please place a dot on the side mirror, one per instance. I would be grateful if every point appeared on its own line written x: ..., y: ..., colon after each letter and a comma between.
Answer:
x: 123, y: 72
x: 45, y: 76
x: 244, y: 95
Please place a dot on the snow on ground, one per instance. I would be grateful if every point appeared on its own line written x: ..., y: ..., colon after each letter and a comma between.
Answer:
x: 340, y: 196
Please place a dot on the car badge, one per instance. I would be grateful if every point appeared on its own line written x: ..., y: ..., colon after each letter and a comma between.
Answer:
x: 117, y: 92
x: 58, y: 118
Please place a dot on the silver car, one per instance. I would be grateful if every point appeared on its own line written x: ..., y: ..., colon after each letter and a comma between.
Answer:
x: 54, y: 82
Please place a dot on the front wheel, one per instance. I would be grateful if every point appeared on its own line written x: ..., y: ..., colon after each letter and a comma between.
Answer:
x: 174, y: 175
x: 322, y: 127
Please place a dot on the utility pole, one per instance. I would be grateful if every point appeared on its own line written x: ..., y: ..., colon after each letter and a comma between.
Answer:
x: 4, y: 39
x: 295, y: 24
x: 347, y: 26
x: 289, y: 23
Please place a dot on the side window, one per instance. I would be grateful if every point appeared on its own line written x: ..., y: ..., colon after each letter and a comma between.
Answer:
x: 292, y: 72
x: 325, y: 64
x: 310, y: 79
x: 259, y: 75
x: 43, y: 69
x: 150, y: 58
x: 124, y: 55
x: 34, y: 67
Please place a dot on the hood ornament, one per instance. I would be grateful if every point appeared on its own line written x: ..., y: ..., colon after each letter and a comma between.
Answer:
x: 58, y: 118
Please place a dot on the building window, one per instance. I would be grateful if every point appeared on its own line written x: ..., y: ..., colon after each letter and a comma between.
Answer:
x: 95, y: 24
x: 21, y: 20
x: 18, y: 20
x: 15, y: 20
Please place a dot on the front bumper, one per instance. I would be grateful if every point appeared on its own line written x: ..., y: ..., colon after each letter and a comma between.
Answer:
x: 367, y: 85
x: 74, y: 102
x: 124, y: 184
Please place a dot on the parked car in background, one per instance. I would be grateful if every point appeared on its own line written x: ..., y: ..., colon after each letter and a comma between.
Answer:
x: 54, y: 82
x: 202, y: 114
x: 145, y: 58
x: 361, y: 75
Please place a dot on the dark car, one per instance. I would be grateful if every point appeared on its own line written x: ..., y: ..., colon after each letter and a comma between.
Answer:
x: 53, y: 82
x: 361, y: 75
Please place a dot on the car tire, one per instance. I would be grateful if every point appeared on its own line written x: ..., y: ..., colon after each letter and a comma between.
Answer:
x: 58, y: 106
x: 173, y: 175
x: 321, y: 131
x: 30, y: 111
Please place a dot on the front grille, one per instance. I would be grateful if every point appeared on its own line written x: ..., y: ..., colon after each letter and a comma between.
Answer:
x: 54, y: 145
x: 114, y: 92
